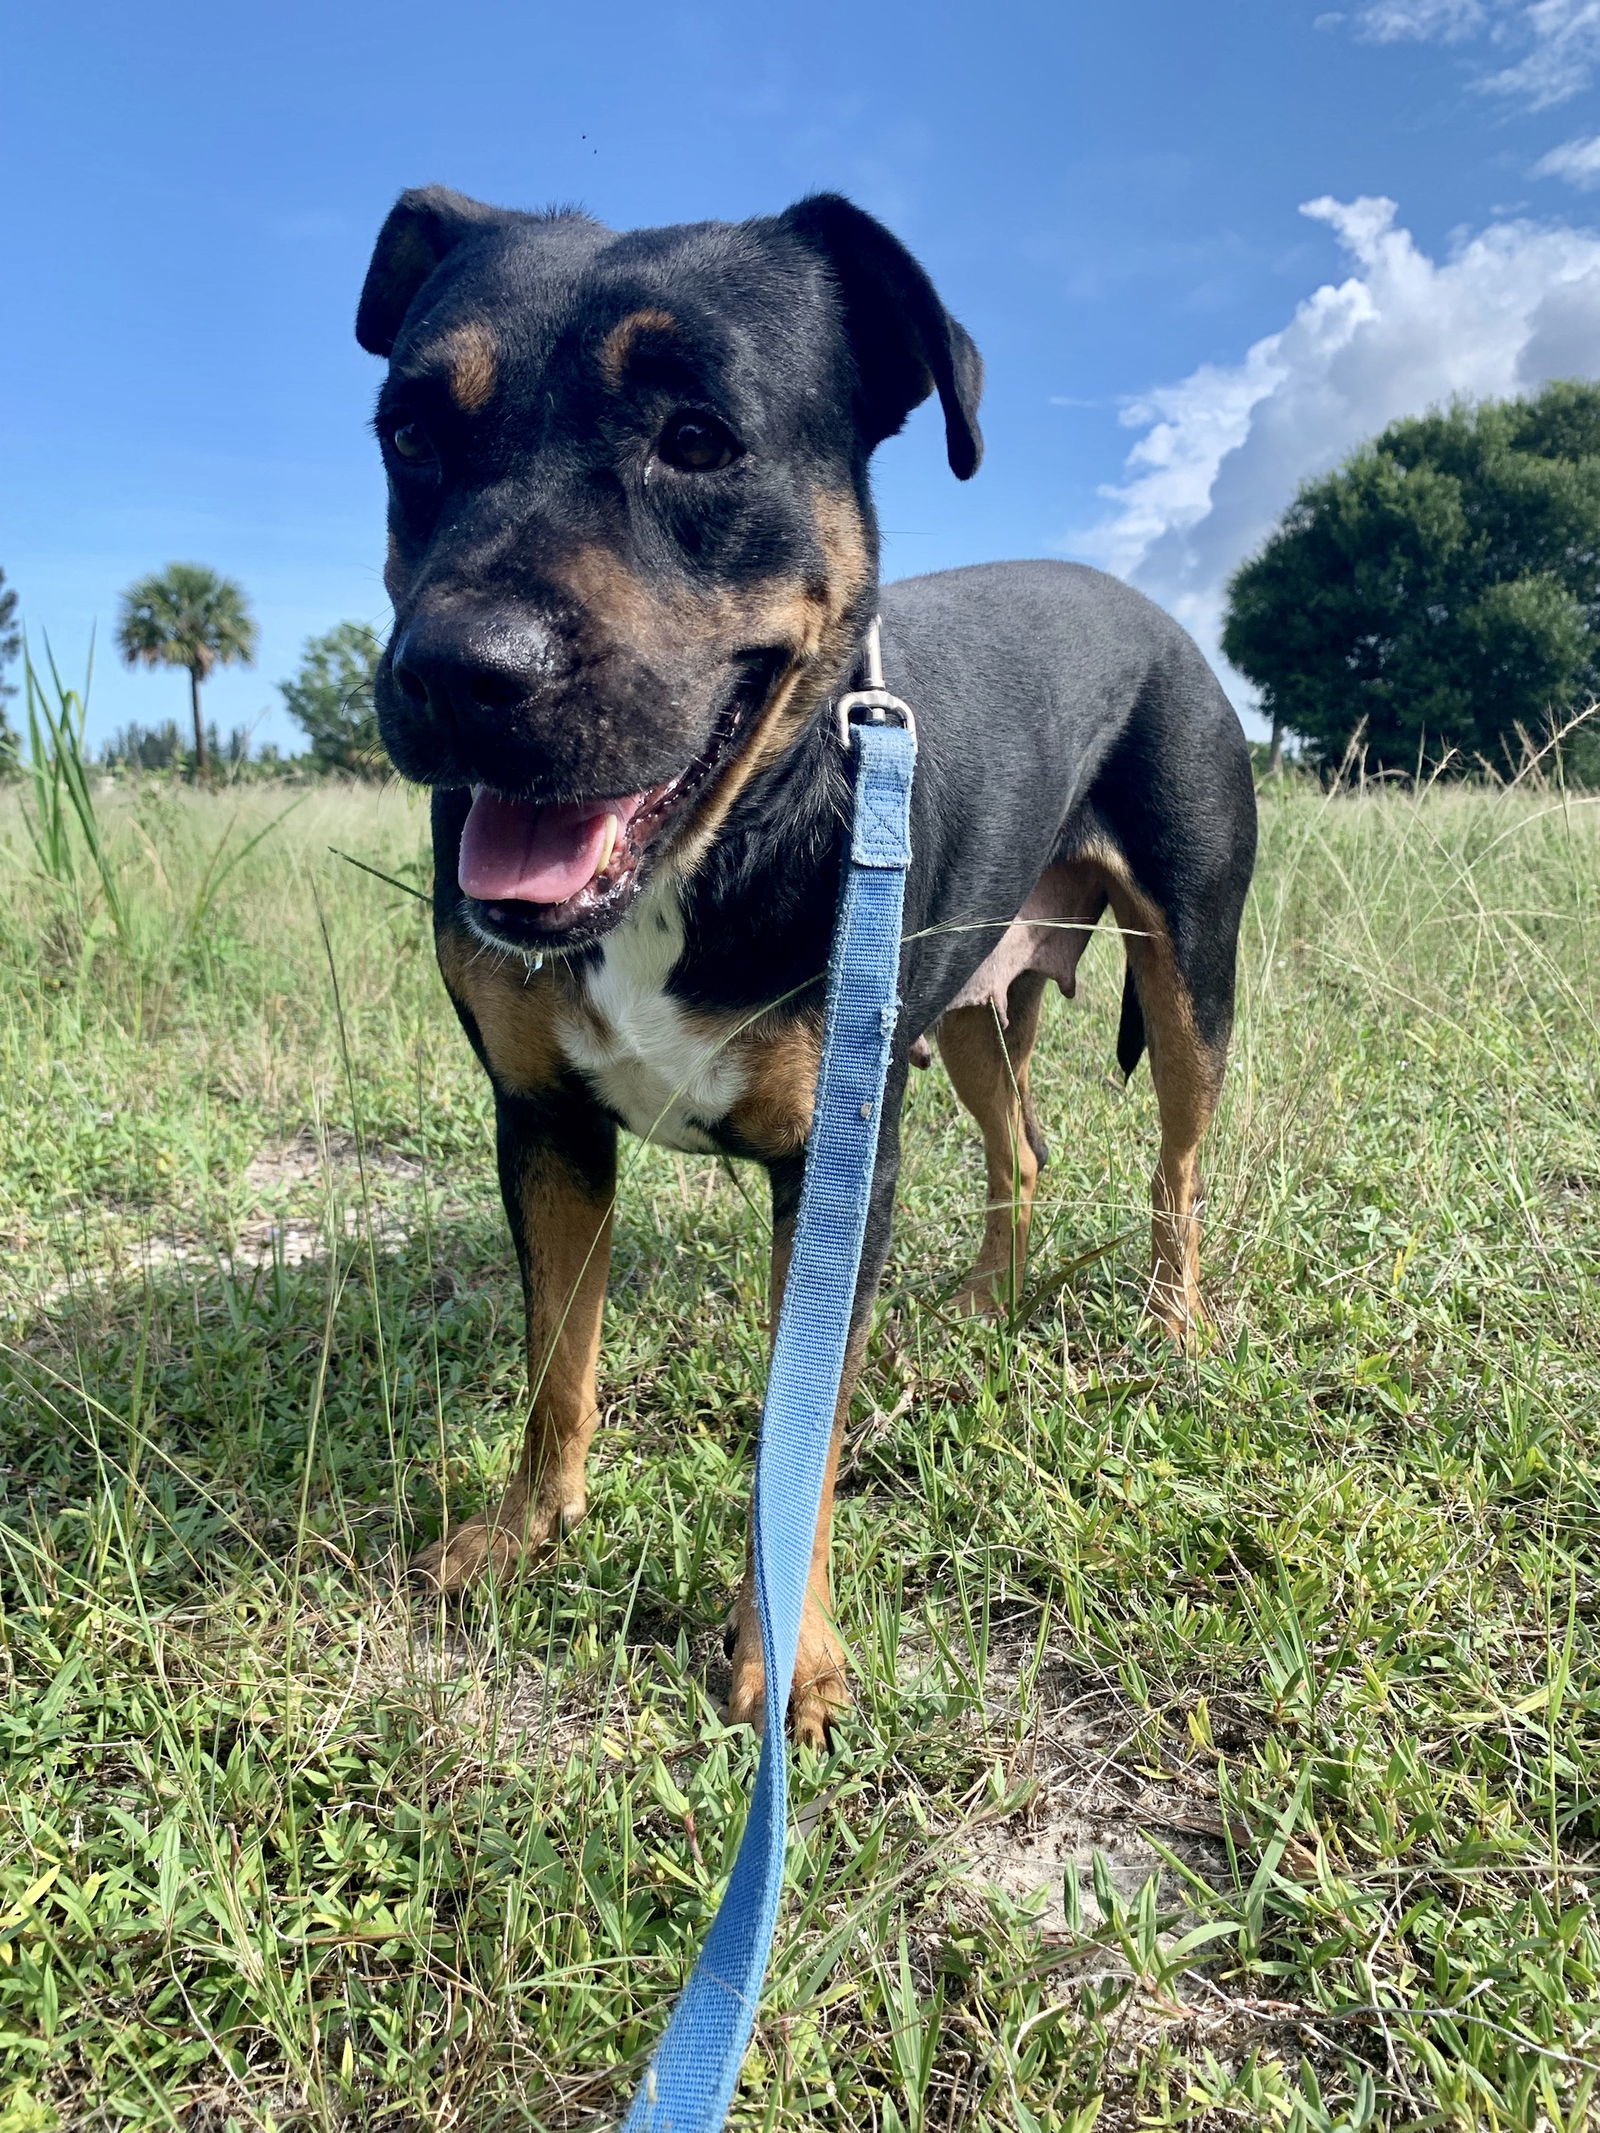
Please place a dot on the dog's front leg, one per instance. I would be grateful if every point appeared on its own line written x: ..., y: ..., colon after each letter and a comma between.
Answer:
x: 558, y: 1178
x: 820, y: 1689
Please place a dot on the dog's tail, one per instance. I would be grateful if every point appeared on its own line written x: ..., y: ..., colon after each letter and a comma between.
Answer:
x: 1130, y: 1031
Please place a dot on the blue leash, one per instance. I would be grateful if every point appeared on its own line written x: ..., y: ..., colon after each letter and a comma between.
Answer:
x: 691, y: 2079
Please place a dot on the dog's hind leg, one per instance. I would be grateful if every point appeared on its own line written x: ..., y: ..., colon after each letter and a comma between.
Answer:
x: 989, y: 1069
x: 1186, y: 1070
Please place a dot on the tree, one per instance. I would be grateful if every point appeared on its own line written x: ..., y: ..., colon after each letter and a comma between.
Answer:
x: 1439, y: 591
x: 331, y: 700
x: 187, y: 616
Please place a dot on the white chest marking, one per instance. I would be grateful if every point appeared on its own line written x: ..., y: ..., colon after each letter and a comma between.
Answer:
x: 666, y: 1075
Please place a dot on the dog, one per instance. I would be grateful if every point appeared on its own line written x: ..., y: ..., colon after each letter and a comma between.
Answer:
x: 633, y: 561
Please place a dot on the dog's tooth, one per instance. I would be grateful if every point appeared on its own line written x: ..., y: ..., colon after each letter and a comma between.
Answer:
x: 610, y: 845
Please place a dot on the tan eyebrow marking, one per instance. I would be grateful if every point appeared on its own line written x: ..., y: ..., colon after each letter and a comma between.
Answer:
x: 617, y: 346
x: 472, y: 363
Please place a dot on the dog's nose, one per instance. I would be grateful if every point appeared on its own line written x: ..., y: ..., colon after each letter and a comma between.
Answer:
x: 463, y: 663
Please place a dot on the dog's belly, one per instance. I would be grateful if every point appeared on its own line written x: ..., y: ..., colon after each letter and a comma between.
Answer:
x: 1049, y: 935
x: 668, y: 1073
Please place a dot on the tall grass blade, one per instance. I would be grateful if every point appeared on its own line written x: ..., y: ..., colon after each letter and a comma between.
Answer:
x: 217, y: 872
x: 59, y: 778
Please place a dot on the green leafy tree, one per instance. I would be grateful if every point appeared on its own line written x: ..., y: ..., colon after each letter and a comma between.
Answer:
x: 331, y: 700
x: 187, y: 616
x: 10, y: 646
x: 1439, y: 591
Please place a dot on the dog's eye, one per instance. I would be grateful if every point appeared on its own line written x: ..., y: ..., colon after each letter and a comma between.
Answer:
x: 698, y: 444
x: 410, y: 440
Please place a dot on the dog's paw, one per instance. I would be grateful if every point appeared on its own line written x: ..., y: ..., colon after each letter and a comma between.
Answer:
x: 466, y: 1556
x: 820, y: 1696
x: 497, y: 1544
x: 820, y: 1693
x: 1183, y: 1318
x: 981, y: 1295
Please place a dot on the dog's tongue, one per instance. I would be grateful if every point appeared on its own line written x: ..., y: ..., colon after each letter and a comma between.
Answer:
x: 516, y: 851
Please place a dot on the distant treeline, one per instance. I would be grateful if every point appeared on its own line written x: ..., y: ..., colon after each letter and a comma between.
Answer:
x: 164, y: 748
x: 188, y: 617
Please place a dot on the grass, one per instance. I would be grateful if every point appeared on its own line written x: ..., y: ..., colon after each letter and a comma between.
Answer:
x: 1225, y: 1745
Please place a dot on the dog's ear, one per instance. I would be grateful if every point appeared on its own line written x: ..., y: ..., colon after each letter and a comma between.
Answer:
x: 422, y: 226
x: 904, y: 341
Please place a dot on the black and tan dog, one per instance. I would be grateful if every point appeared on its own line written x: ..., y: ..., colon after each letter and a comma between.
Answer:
x: 633, y: 558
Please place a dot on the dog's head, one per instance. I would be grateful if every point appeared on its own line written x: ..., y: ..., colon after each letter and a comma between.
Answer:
x: 631, y: 541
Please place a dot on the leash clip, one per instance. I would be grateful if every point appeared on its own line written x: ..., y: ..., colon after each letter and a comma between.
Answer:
x: 873, y: 705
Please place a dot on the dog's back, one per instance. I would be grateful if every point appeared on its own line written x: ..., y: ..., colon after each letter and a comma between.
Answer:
x: 1061, y: 714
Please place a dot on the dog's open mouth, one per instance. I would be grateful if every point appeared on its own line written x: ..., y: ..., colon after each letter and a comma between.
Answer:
x: 553, y: 874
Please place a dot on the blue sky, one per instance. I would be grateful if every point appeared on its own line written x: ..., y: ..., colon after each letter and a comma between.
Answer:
x: 1110, y: 198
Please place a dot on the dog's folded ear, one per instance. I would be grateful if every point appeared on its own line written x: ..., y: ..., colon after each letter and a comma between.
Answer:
x: 422, y: 226
x: 905, y: 343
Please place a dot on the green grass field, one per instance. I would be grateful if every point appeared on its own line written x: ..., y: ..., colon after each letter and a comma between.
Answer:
x: 1226, y: 1740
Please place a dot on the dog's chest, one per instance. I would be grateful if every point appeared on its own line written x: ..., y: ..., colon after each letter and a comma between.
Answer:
x: 666, y: 1072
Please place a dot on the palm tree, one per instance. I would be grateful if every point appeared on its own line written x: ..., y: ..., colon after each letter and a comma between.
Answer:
x: 187, y: 616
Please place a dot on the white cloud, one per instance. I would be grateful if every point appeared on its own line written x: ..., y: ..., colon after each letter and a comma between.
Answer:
x: 1576, y: 161
x: 1387, y: 21
x: 1225, y: 449
x: 1557, y: 41
x: 1565, y: 50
